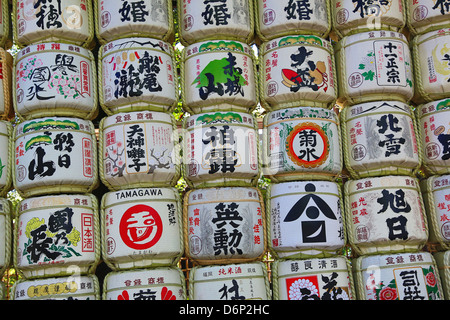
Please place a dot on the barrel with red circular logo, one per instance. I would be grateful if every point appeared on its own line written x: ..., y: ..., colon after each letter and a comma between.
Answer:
x: 379, y: 138
x: 374, y: 66
x: 205, y: 20
x: 218, y: 75
x: 385, y: 214
x: 122, y: 19
x: 55, y: 155
x: 137, y: 74
x: 69, y: 21
x: 6, y: 132
x: 5, y: 235
x: 301, y: 143
x: 55, y: 79
x: 224, y: 225
x: 433, y: 119
x: 313, y: 279
x: 57, y: 235
x: 425, y: 15
x: 141, y: 228
x: 397, y: 276
x: 240, y: 281
x: 350, y: 17
x: 59, y: 288
x: 138, y: 149
x: 163, y: 283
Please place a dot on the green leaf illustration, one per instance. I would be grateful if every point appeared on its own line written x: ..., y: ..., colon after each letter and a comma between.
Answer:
x: 369, y: 75
x: 362, y: 66
x: 1, y: 168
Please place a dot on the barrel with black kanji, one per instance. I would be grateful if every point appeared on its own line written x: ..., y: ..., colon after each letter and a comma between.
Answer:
x: 385, y: 214
x: 57, y: 235
x: 397, y: 276
x: 123, y: 19
x: 55, y: 79
x: 69, y: 21
x: 425, y: 15
x: 139, y: 149
x: 137, y: 74
x: 205, y: 20
x: 6, y: 161
x: 379, y: 138
x: 54, y: 155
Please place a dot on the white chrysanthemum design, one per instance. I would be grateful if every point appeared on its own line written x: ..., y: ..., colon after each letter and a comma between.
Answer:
x: 296, y: 286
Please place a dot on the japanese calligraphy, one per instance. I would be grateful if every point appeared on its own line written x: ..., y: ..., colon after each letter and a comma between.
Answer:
x: 48, y: 16
x: 442, y: 5
x: 135, y: 152
x: 234, y: 290
x: 134, y: 10
x: 391, y: 64
x: 222, y: 156
x: 369, y: 7
x: 298, y: 9
x: 397, y: 203
x: 392, y: 144
x: 227, y: 236
x: 216, y: 12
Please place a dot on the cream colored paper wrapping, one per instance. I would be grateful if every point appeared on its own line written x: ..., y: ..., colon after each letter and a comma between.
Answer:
x: 301, y: 143
x: 224, y: 225
x: 385, y: 214
x: 141, y: 228
x: 205, y: 20
x: 433, y: 121
x: 280, y: 18
x: 379, y: 138
x: 6, y: 159
x: 61, y: 288
x: 431, y: 56
x: 297, y: 70
x: 137, y: 74
x: 221, y: 149
x: 139, y: 149
x: 123, y: 19
x: 350, y: 17
x: 305, y: 219
x: 374, y: 66
x: 427, y: 15
x: 245, y: 281
x: 443, y: 264
x: 145, y: 284
x: 55, y: 79
x: 54, y: 155
x: 218, y: 75
x: 57, y: 236
x: 6, y: 83
x: 5, y: 235
x: 38, y: 21
x: 313, y: 279
x: 397, y: 276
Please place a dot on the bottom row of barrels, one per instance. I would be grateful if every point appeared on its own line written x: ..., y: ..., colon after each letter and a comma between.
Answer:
x: 402, y: 276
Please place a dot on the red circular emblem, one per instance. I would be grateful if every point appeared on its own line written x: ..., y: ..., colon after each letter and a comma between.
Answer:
x: 140, y: 227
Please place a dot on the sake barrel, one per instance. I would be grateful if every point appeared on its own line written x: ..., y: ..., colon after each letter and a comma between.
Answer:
x: 218, y: 75
x: 5, y: 235
x: 225, y: 19
x: 243, y: 281
x: 6, y: 161
x: 433, y: 120
x: 221, y: 149
x: 57, y: 235
x: 397, y: 276
x: 141, y: 228
x: 306, y: 219
x: 431, y: 56
x: 313, y: 279
x: 281, y: 18
x: 224, y: 225
x: 426, y: 15
x: 55, y: 155
x: 138, y: 149
x: 145, y: 284
x: 436, y: 197
x: 301, y: 143
x: 350, y: 17
x: 6, y: 105
x: 137, y: 74
x: 55, y: 79
x: 39, y: 21
x: 297, y: 70
x: 442, y: 259
x: 385, y: 214
x: 60, y: 288
x: 123, y: 19
x: 373, y: 66
x: 4, y: 24
x: 379, y: 138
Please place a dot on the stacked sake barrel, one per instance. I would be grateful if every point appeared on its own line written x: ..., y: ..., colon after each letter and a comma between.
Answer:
x: 223, y: 212
x: 302, y: 152
x: 139, y: 153
x: 54, y: 149
x: 384, y: 211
